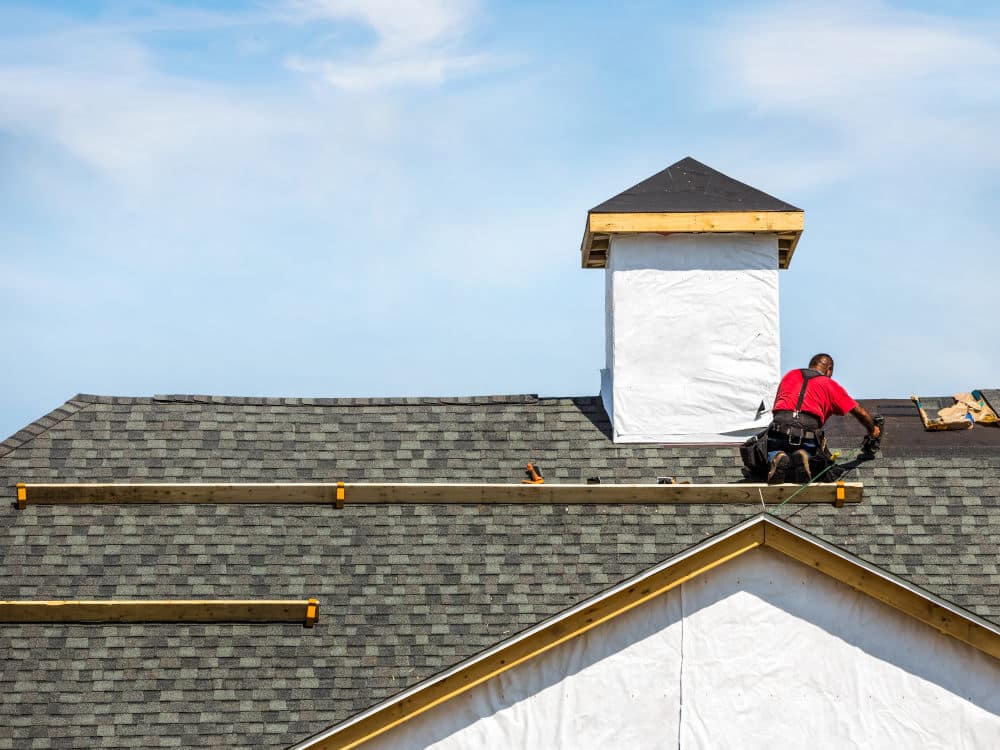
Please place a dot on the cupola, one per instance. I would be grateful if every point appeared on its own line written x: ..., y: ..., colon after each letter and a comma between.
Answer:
x: 691, y: 259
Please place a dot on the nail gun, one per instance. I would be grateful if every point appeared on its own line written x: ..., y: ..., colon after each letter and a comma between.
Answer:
x: 870, y: 445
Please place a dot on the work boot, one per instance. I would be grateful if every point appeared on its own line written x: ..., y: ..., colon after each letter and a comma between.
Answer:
x: 779, y: 465
x: 801, y: 472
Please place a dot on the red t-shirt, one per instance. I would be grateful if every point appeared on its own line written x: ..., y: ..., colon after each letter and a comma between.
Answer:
x: 824, y: 396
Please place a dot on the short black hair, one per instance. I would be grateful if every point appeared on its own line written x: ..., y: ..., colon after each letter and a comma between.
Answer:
x: 819, y: 358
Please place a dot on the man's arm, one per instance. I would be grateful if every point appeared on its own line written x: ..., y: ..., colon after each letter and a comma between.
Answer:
x: 866, y: 419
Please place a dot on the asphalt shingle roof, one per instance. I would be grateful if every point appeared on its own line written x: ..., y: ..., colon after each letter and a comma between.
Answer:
x: 406, y: 591
x: 690, y: 186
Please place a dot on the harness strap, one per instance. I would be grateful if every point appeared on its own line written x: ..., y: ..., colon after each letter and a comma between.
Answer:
x: 807, y: 375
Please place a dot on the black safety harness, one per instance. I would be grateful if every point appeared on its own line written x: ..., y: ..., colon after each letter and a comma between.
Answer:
x: 797, y: 426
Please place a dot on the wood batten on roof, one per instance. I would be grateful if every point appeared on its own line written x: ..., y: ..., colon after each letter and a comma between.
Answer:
x: 690, y: 197
x: 761, y: 531
x: 339, y: 493
x: 161, y: 610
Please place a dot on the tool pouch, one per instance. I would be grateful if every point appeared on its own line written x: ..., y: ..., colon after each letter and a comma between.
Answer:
x: 754, y: 455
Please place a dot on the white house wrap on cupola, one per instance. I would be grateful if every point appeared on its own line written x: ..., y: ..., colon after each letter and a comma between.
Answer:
x: 691, y: 260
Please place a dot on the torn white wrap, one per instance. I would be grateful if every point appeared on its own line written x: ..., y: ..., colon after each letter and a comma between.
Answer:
x: 693, y: 341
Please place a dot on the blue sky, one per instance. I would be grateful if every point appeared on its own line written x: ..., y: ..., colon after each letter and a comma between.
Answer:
x: 364, y: 198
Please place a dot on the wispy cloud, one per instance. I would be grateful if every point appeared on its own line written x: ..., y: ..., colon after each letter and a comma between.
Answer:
x: 94, y: 92
x: 99, y: 108
x: 402, y: 25
x: 95, y: 122
x: 416, y: 42
x: 873, y: 82
x: 133, y: 128
x: 376, y: 73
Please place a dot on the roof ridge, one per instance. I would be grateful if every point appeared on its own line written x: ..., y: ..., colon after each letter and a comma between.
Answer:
x: 46, y: 422
x: 176, y: 398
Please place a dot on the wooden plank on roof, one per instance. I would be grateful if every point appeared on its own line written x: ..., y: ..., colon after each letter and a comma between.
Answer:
x: 430, y: 493
x: 201, y: 610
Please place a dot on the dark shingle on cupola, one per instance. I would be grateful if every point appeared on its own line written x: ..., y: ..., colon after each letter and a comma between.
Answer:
x: 690, y: 197
x: 690, y: 185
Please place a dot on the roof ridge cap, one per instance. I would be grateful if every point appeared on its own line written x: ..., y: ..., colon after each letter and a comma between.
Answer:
x: 47, y: 421
x: 178, y: 398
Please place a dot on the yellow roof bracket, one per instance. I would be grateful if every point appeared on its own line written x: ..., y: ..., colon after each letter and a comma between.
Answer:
x: 340, y: 496
x: 22, y: 496
x: 312, y: 613
x: 841, y: 495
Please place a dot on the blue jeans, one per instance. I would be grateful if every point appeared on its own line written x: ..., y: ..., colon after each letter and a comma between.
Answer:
x: 781, y: 445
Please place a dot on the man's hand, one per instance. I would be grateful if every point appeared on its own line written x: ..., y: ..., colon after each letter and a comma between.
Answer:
x: 866, y: 419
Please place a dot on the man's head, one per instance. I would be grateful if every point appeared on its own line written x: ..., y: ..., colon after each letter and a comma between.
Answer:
x: 823, y: 364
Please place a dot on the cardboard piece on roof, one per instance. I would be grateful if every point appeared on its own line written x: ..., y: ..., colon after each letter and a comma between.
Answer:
x: 968, y: 410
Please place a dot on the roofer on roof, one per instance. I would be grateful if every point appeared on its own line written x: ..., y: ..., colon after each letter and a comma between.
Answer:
x: 806, y: 398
